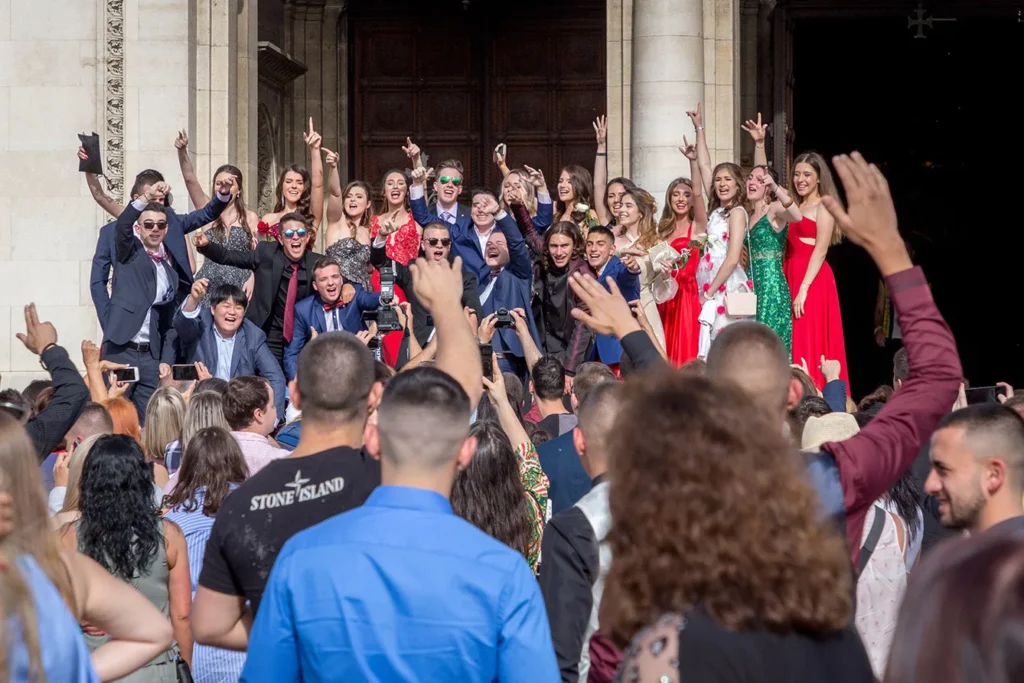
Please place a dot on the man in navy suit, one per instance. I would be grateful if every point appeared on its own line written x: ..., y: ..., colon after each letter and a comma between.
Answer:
x: 327, y: 310
x: 469, y: 234
x: 148, y: 278
x: 508, y: 285
x: 225, y: 342
x: 600, y: 248
x: 174, y: 242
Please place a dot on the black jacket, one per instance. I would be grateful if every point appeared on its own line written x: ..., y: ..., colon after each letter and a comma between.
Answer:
x: 48, y: 428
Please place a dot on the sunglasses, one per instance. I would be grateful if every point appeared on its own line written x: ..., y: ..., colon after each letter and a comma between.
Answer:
x: 445, y: 179
x: 444, y: 241
x: 154, y: 225
x: 291, y: 232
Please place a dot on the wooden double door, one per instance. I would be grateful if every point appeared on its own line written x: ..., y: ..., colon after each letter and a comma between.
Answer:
x: 460, y: 77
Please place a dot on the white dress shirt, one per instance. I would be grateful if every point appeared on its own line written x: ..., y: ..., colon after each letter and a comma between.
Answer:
x: 333, y: 320
x: 449, y: 215
x: 225, y: 347
x: 164, y: 288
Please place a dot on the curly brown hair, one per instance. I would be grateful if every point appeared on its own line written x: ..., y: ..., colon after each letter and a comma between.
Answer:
x: 571, y: 231
x: 714, y: 510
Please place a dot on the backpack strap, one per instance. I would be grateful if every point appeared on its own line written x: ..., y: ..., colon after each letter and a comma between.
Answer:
x: 872, y: 540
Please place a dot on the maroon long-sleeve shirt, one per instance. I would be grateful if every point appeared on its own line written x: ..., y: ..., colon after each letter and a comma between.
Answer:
x: 873, y: 460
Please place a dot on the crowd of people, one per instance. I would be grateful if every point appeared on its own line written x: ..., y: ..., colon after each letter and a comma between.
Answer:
x: 544, y: 436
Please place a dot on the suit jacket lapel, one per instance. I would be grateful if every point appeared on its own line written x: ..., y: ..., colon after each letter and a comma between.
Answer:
x: 238, y: 350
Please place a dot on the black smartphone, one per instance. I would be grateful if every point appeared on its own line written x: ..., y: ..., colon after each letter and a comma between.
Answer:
x: 984, y: 394
x: 126, y: 375
x: 486, y: 351
x: 184, y: 373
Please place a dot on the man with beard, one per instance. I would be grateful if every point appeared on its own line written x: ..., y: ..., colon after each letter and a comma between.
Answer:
x: 435, y: 245
x: 327, y: 310
x: 284, y: 276
x: 977, y: 473
x: 225, y: 342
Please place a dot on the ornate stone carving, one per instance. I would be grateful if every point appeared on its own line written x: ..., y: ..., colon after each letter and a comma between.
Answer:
x: 113, y: 96
x: 266, y: 169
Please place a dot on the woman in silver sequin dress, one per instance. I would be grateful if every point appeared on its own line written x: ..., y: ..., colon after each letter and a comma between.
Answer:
x: 348, y: 226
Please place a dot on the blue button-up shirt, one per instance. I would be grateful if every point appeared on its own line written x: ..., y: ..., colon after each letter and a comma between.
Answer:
x: 225, y: 351
x: 400, y: 589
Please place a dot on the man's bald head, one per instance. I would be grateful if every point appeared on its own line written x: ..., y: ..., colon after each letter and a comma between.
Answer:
x: 752, y: 355
x: 596, y: 418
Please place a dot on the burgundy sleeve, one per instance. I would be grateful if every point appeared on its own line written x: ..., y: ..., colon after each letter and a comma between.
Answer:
x: 533, y: 240
x: 871, y: 462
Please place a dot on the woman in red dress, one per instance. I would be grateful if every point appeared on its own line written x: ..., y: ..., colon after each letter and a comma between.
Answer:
x: 817, y: 322
x: 402, y: 246
x: 684, y: 217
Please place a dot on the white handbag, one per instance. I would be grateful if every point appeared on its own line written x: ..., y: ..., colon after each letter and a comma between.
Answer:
x: 742, y: 304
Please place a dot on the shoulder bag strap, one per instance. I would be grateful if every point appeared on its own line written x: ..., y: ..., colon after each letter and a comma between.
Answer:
x: 872, y: 540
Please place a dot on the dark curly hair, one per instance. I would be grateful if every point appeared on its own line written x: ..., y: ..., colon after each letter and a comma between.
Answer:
x: 714, y: 510
x: 120, y: 526
x: 570, y: 230
x: 489, y: 494
x: 212, y: 461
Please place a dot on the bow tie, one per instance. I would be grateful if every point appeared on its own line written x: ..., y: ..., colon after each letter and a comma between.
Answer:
x: 337, y: 304
x: 157, y: 257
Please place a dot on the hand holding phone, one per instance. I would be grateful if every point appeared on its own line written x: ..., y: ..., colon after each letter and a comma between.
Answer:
x: 486, y: 351
x: 184, y: 373
x: 126, y: 375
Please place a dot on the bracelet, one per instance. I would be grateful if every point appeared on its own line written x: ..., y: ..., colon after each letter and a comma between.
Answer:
x: 47, y: 348
x: 700, y: 127
x: 759, y: 145
x: 602, y: 154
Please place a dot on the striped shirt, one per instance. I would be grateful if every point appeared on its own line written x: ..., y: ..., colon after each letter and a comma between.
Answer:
x: 209, y: 664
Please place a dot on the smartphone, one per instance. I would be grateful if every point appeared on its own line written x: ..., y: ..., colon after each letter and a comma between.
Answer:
x: 501, y: 149
x: 126, y: 375
x: 984, y: 394
x: 486, y: 351
x: 184, y: 373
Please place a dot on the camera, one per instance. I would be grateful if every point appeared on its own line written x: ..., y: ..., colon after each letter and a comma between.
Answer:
x: 385, y: 316
x: 502, y: 318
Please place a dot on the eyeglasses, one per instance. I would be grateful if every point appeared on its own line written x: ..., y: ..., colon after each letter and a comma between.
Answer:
x: 154, y: 225
x: 444, y: 241
x: 291, y: 232
x: 445, y: 179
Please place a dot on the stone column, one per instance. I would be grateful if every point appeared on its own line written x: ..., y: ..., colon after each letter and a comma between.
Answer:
x: 667, y: 79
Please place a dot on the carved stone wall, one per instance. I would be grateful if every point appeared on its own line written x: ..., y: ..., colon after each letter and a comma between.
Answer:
x: 113, y: 97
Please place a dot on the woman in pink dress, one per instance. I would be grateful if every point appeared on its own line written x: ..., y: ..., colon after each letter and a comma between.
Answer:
x: 817, y: 321
x: 684, y: 218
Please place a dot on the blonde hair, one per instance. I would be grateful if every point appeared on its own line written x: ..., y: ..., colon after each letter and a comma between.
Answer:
x: 18, y: 615
x: 647, y: 231
x: 165, y: 414
x: 529, y: 191
x: 75, y: 466
x: 826, y: 184
x: 206, y: 409
x: 31, y: 535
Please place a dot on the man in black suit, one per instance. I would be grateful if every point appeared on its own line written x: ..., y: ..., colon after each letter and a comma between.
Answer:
x: 284, y: 276
x: 149, y: 283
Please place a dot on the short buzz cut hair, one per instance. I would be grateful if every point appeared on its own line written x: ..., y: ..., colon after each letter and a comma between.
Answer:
x: 755, y: 358
x: 437, y: 225
x: 588, y: 376
x: 154, y: 206
x: 293, y: 217
x: 334, y: 378
x: 244, y: 396
x: 548, y: 377
x: 94, y: 419
x: 995, y: 431
x: 601, y: 230
x: 599, y: 409
x: 418, y: 400
x: 228, y: 292
x: 325, y: 262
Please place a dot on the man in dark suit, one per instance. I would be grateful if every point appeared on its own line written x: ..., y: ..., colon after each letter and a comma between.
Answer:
x: 435, y: 245
x: 284, y: 277
x: 174, y: 242
x: 600, y: 250
x: 468, y: 234
x: 225, y: 342
x: 148, y: 279
x: 327, y: 311
x: 508, y: 285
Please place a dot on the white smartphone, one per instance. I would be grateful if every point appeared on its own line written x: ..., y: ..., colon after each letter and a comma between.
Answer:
x: 126, y: 375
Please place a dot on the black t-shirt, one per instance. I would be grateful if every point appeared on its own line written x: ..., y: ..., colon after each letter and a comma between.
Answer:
x: 282, y: 499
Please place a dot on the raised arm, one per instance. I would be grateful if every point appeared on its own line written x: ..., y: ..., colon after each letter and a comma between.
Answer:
x: 601, y: 169
x: 211, y: 211
x: 418, y: 196
x: 703, y: 156
x: 125, y: 242
x: 105, y: 201
x: 192, y: 184
x: 545, y: 205
x: 822, y: 240
x: 188, y: 319
x: 784, y: 209
x: 248, y: 260
x: 758, y: 132
x: 530, y: 351
x: 335, y: 202
x: 500, y: 159
x: 316, y: 172
x: 737, y: 229
x: 438, y: 286
x: 533, y: 240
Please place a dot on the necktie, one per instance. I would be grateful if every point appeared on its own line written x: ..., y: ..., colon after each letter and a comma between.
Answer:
x: 447, y: 217
x: 289, y: 303
x: 157, y: 257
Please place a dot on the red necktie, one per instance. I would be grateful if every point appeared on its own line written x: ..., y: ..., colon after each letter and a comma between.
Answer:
x: 289, y: 303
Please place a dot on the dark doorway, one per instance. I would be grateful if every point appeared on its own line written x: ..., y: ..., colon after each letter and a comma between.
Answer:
x: 937, y: 114
x: 459, y: 77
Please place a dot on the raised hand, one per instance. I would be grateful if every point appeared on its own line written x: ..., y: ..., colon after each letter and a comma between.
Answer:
x: 601, y: 131
x: 312, y: 138
x: 116, y: 389
x: 37, y: 335
x: 82, y: 154
x: 437, y: 283
x: 491, y: 205
x: 224, y: 186
x: 487, y: 327
x: 514, y: 194
x: 411, y: 149
x: 199, y: 288
x: 536, y: 177
x: 689, y: 150
x: 330, y: 158
x: 696, y: 118
x: 870, y: 217
x: 829, y: 368
x: 757, y: 130
x: 348, y: 293
x: 90, y: 353
x: 500, y: 153
x: 608, y: 311
x: 420, y: 175
x: 181, y: 141
x: 199, y: 239
x: 389, y: 225
x: 202, y: 372
x: 157, y: 191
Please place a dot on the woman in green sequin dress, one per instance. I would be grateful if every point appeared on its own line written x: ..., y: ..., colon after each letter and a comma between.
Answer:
x: 772, y: 211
